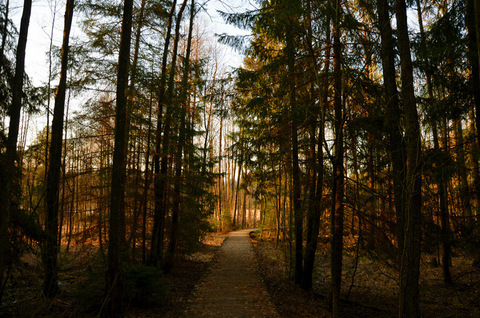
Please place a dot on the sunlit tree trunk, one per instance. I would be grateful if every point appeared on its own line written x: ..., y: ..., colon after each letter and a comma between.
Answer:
x: 50, y: 287
x: 7, y: 162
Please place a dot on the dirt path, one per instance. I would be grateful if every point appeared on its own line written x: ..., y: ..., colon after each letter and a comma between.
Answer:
x: 233, y: 287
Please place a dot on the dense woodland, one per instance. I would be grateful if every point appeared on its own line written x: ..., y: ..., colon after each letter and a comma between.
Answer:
x: 349, y: 123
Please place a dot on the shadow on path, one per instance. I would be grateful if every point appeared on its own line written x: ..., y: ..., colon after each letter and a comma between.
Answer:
x: 232, y: 287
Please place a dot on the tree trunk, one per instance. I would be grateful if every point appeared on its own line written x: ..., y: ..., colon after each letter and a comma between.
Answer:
x: 477, y: 33
x: 167, y: 130
x: 440, y: 180
x: 444, y: 217
x: 50, y: 286
x: 116, y: 242
x: 465, y: 197
x: 473, y: 59
x: 180, y: 158
x: 392, y: 117
x: 296, y: 186
x: 159, y: 183
x: 410, y: 261
x: 8, y: 168
x: 337, y: 213
x: 316, y: 189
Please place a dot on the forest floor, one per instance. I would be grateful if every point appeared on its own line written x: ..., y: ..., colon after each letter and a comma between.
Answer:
x: 23, y: 297
x: 374, y: 291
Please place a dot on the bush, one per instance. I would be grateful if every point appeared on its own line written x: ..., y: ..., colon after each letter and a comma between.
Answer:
x: 142, y: 286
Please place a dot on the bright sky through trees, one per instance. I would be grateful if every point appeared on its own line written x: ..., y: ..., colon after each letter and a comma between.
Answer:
x: 43, y: 12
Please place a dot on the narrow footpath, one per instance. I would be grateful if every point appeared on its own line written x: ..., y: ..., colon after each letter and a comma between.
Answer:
x: 232, y: 287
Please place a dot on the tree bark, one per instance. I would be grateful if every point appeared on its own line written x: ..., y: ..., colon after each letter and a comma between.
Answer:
x: 296, y: 186
x: 116, y: 242
x: 8, y: 168
x: 316, y: 188
x: 477, y: 32
x: 337, y: 213
x: 440, y: 180
x: 180, y: 158
x: 156, y: 248
x: 50, y: 286
x: 473, y: 60
x: 410, y: 260
x: 392, y: 117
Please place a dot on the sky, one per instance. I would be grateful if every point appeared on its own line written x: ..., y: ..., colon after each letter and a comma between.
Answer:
x: 40, y: 30
x: 43, y: 12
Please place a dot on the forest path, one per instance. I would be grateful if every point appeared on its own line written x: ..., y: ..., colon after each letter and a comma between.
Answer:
x: 232, y: 287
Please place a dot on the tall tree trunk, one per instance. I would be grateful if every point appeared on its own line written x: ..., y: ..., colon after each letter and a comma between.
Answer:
x: 473, y: 27
x: 440, y: 180
x: 465, y: 197
x: 220, y: 176
x: 337, y: 213
x: 477, y: 33
x: 410, y: 260
x: 473, y: 60
x: 146, y: 185
x: 7, y: 162
x: 316, y: 188
x: 392, y: 117
x: 50, y: 286
x: 116, y: 242
x: 237, y: 190
x: 156, y: 248
x: 168, y: 118
x: 180, y: 157
x: 291, y: 7
x: 444, y: 217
